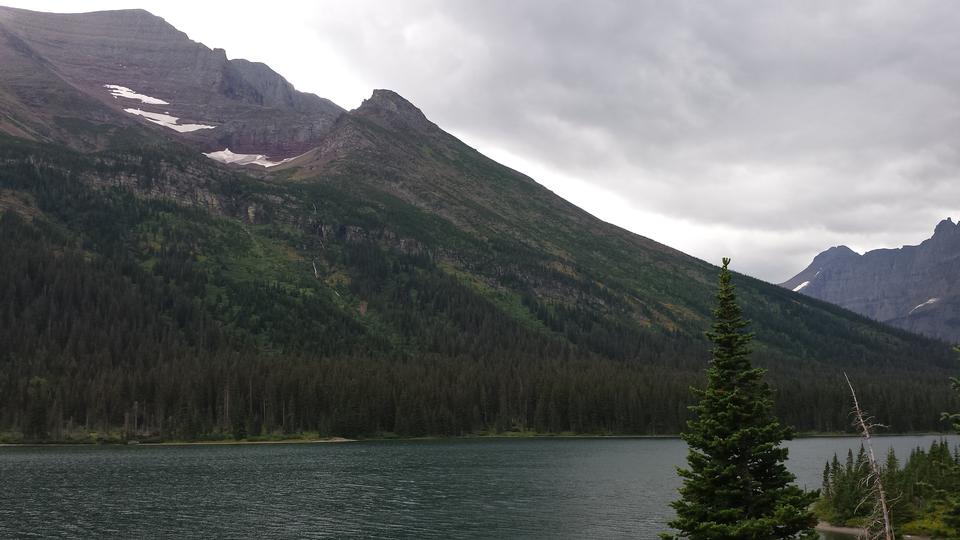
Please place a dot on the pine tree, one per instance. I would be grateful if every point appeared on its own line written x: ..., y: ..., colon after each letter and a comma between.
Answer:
x: 736, y: 485
x: 954, y: 418
x: 952, y: 516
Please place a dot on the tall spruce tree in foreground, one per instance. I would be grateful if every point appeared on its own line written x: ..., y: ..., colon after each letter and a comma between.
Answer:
x: 736, y: 485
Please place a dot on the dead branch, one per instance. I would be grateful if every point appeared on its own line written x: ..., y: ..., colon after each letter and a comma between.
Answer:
x: 880, y: 520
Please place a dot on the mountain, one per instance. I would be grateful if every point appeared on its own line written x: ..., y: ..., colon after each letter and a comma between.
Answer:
x: 371, y: 274
x: 916, y: 288
x: 68, y: 77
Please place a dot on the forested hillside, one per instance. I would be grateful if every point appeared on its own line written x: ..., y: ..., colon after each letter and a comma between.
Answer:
x: 148, y: 291
x: 380, y: 277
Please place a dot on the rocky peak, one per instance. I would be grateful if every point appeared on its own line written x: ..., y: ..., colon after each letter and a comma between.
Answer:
x: 270, y: 89
x: 239, y: 105
x: 946, y: 227
x: 390, y: 109
x: 140, y: 17
x: 834, y: 254
x: 912, y: 287
x: 126, y: 23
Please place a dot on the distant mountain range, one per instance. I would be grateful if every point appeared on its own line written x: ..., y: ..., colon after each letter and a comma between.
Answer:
x: 203, y: 249
x: 916, y: 288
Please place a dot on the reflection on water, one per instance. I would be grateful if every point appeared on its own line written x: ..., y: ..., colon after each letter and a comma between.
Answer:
x: 531, y: 488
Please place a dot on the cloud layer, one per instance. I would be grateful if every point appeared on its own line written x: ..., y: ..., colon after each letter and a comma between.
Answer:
x: 770, y: 130
x: 767, y: 131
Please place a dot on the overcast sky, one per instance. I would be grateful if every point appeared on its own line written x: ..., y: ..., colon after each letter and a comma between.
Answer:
x: 764, y: 131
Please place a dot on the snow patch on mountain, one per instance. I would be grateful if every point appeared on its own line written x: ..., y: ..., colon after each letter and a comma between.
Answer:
x: 226, y: 156
x: 118, y: 91
x: 927, y: 303
x: 168, y: 121
x: 800, y: 287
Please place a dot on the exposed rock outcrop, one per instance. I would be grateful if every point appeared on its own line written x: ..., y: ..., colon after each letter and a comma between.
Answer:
x: 390, y: 109
x: 252, y: 108
x: 913, y: 287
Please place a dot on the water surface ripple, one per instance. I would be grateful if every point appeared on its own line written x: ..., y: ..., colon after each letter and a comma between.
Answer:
x: 497, y: 488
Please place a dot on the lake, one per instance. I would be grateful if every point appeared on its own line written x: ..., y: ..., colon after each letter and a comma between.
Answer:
x: 466, y: 488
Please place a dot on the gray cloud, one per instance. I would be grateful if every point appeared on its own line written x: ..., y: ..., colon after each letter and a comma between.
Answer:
x: 763, y: 130
x: 839, y: 119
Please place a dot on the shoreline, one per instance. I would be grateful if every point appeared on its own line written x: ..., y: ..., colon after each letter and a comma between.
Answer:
x: 856, y: 533
x: 852, y: 532
x: 500, y: 436
x: 327, y: 440
x: 225, y: 442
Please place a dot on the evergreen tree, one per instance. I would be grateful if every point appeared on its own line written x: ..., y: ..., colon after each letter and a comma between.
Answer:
x: 736, y: 484
x: 922, y: 489
x: 36, y: 425
x: 952, y: 516
x: 955, y: 417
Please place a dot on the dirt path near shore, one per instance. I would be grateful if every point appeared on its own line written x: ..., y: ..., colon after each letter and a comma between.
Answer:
x: 852, y: 532
x: 857, y: 533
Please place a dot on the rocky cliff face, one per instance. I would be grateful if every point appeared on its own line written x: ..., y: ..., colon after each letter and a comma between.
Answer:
x: 156, y: 74
x: 390, y: 110
x: 914, y: 287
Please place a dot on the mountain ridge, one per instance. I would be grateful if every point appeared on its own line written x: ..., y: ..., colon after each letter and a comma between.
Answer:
x: 253, y: 108
x: 911, y: 287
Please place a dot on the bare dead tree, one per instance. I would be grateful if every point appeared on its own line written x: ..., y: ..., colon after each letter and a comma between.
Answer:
x: 879, y: 524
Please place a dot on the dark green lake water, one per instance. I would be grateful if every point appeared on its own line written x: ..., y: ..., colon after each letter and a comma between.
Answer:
x: 529, y: 488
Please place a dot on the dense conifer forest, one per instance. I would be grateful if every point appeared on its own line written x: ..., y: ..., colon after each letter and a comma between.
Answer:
x: 924, y: 490
x: 128, y: 309
x: 923, y: 493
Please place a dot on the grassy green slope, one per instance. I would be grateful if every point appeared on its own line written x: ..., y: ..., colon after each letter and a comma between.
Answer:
x: 516, y: 237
